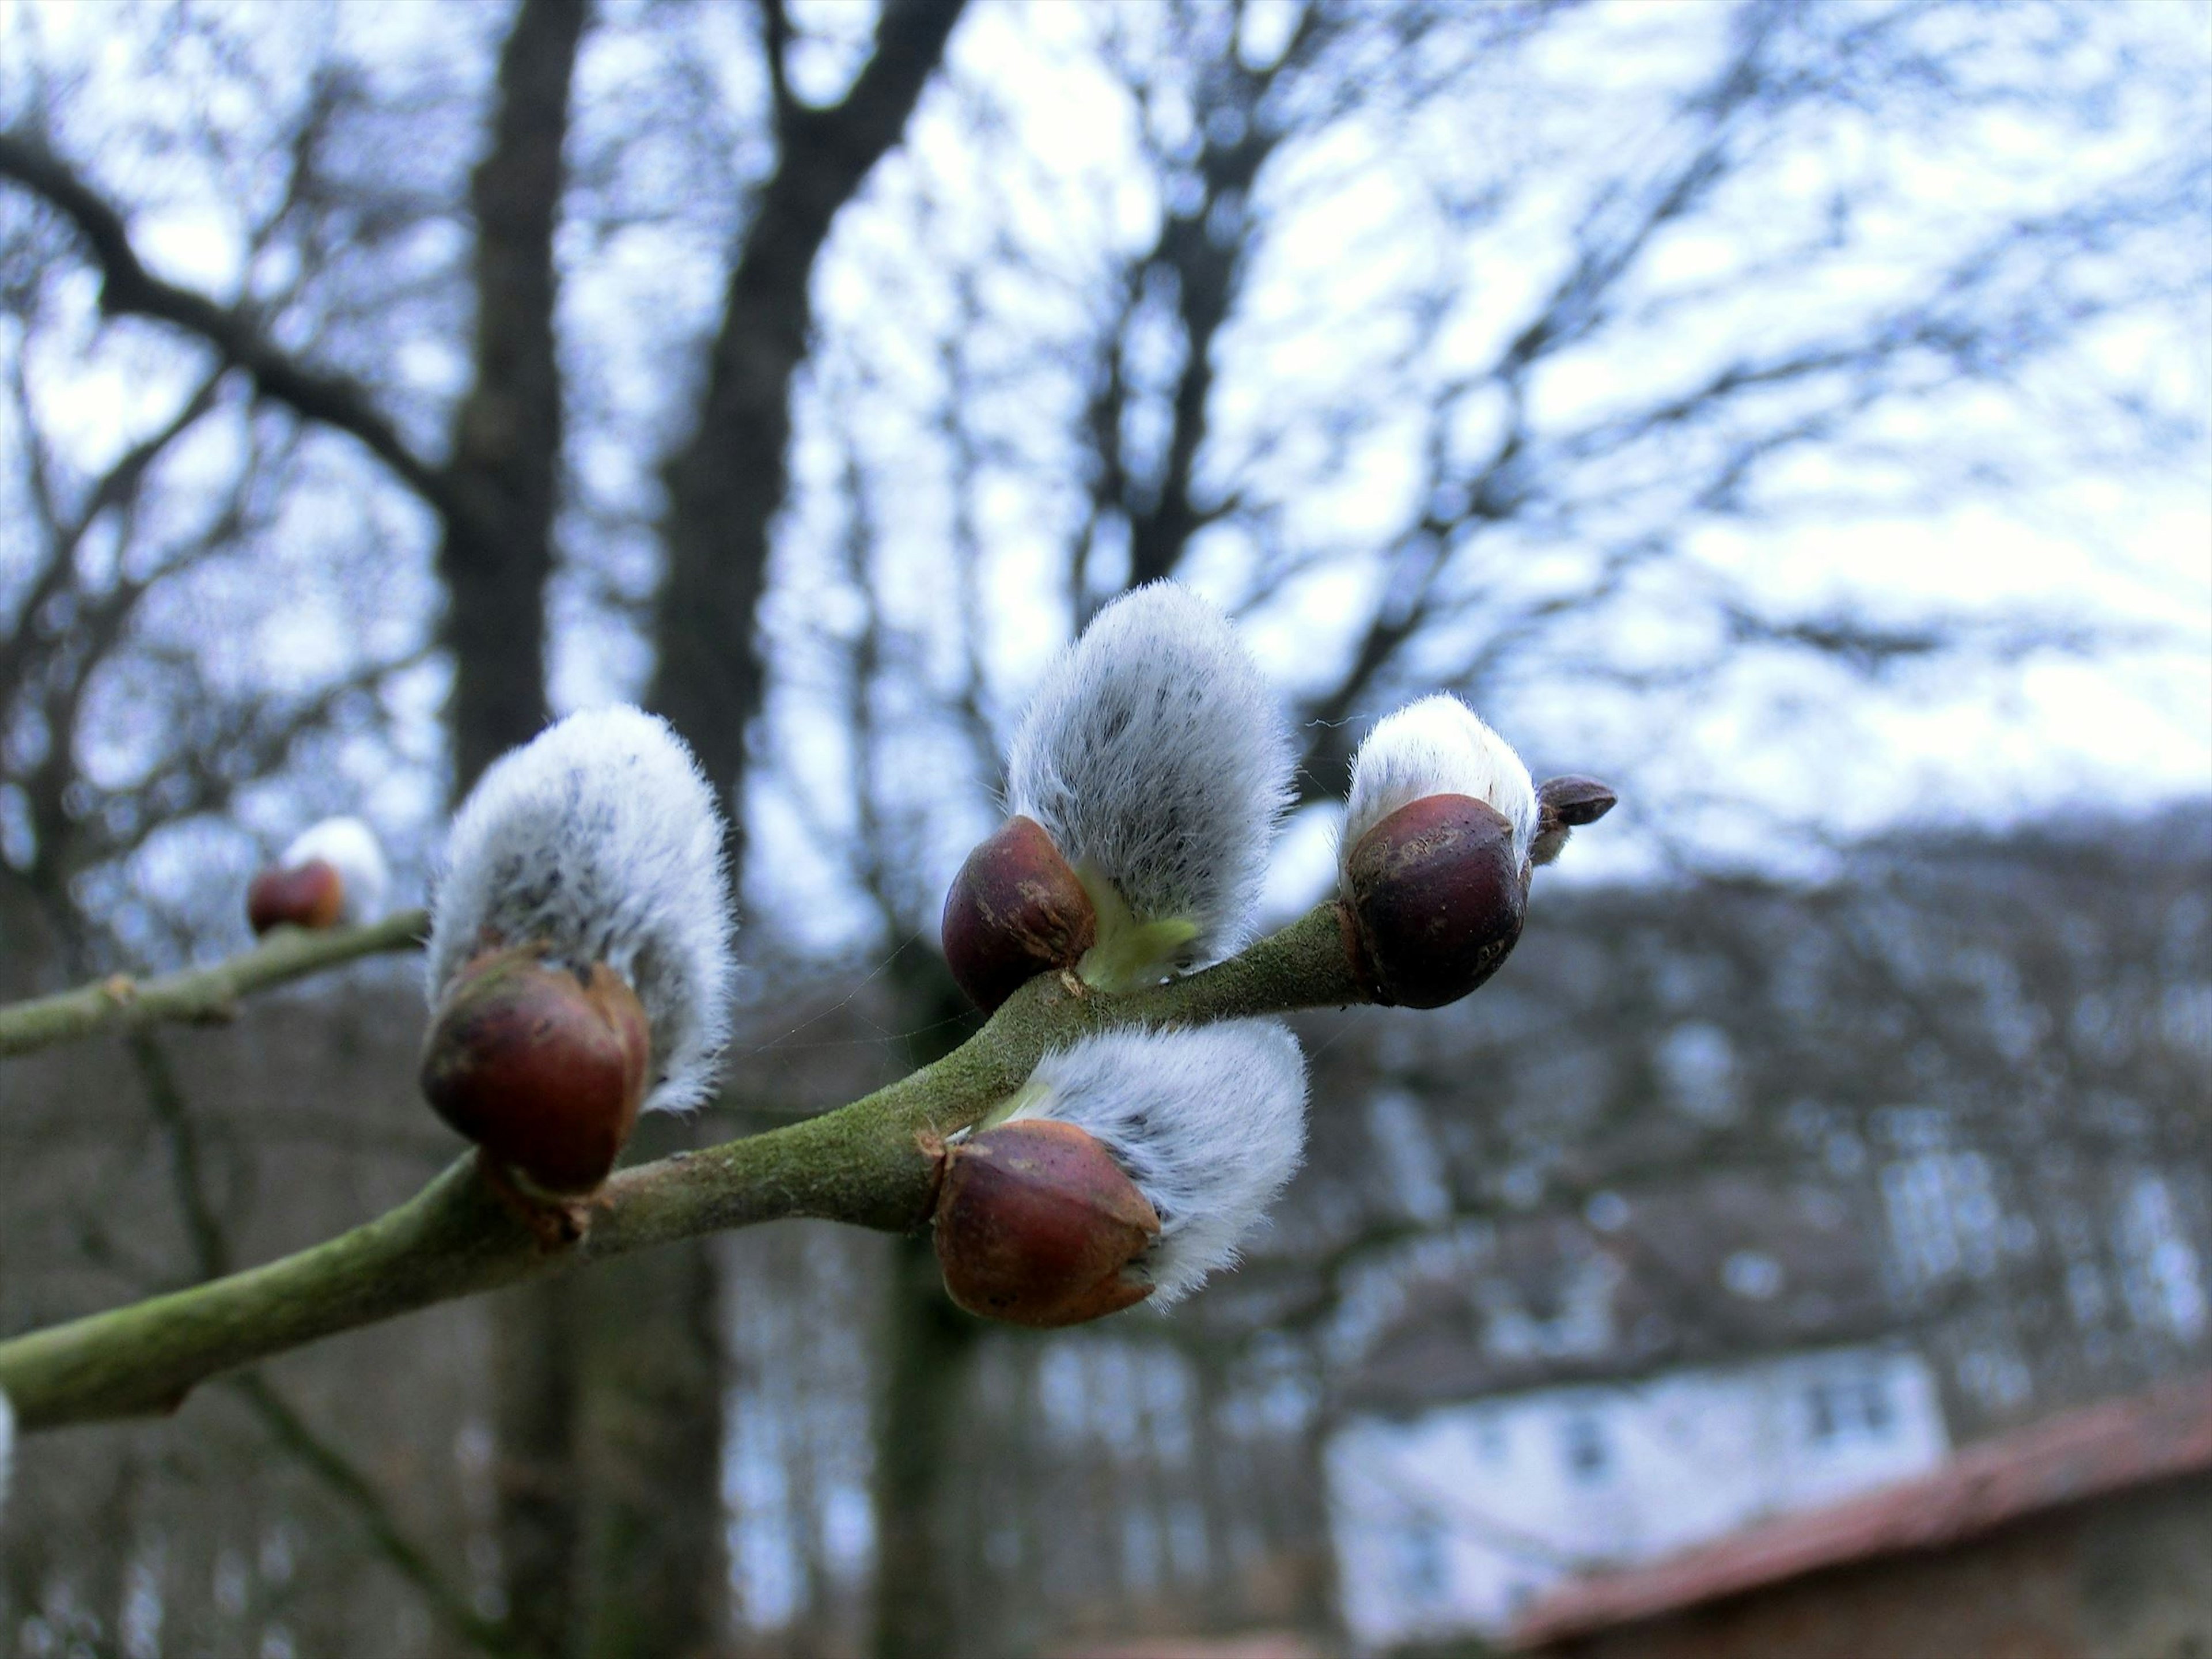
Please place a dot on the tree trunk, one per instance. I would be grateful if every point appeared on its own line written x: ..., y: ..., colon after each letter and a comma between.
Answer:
x: 726, y: 485
x: 497, y: 552
x: 651, y: 1401
x: 533, y: 1411
x: 495, y: 559
x: 726, y: 482
x: 928, y: 1349
x: 610, y: 1399
x: 927, y: 1346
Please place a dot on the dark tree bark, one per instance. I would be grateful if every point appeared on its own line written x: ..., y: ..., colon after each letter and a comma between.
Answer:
x: 652, y: 1381
x: 927, y: 1347
x: 630, y: 1413
x: 495, y: 557
x: 927, y: 1350
x: 1205, y: 265
x: 655, y: 1396
x: 497, y: 552
x: 726, y: 482
x: 1199, y: 255
x: 534, y: 1409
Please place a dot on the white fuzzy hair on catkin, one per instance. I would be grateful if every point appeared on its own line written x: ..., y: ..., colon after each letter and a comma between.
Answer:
x: 1210, y: 1123
x: 1155, y: 754
x: 7, y: 1447
x: 600, y: 838
x: 350, y: 848
x: 1436, y: 746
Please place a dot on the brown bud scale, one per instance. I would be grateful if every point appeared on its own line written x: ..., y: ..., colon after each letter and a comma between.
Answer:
x: 1015, y: 910
x: 1434, y: 900
x: 1563, y: 805
x: 1037, y: 1224
x: 311, y: 895
x: 543, y: 1068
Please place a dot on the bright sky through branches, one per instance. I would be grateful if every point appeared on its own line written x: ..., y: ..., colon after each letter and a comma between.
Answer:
x: 2050, y: 516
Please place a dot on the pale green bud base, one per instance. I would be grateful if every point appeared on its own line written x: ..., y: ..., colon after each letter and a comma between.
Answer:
x: 1130, y: 953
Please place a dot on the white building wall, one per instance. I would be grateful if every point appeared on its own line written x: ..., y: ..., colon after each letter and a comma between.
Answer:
x: 1450, y: 1521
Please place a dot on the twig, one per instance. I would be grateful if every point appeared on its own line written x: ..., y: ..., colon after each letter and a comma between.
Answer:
x: 120, y: 1002
x: 211, y: 1253
x: 337, y: 1472
x: 129, y: 290
x: 873, y: 1164
x: 187, y: 1177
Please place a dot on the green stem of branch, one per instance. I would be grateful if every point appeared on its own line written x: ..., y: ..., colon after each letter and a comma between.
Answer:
x: 873, y: 1164
x: 121, y: 1003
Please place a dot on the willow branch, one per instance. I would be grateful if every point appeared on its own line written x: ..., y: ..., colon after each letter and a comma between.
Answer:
x: 121, y: 1003
x: 873, y: 1164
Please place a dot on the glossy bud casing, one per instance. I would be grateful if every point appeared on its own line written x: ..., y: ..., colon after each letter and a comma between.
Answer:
x: 1434, y: 901
x: 310, y: 895
x: 1037, y: 1224
x: 542, y: 1067
x: 1017, y: 909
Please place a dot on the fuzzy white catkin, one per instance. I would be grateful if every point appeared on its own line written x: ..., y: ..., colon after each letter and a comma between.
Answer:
x: 1436, y: 746
x: 1155, y: 755
x: 7, y: 1447
x: 600, y: 838
x: 1211, y: 1124
x: 350, y: 848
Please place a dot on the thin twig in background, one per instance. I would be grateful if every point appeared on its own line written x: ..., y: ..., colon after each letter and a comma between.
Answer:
x: 201, y: 994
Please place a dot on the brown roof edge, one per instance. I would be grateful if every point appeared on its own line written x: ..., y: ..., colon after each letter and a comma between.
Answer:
x: 2063, y: 1460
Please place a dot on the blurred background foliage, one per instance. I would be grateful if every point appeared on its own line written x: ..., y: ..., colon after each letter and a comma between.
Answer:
x: 1795, y: 413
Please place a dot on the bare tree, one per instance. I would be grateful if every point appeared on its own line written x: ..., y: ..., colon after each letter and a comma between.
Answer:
x: 495, y: 498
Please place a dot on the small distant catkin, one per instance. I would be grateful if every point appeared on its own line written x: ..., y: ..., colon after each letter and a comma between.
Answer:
x: 1209, y: 1123
x: 1156, y: 757
x: 601, y: 841
x: 350, y: 848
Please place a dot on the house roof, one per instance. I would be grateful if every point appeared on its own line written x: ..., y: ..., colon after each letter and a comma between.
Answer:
x: 2063, y: 1460
x: 1256, y: 1645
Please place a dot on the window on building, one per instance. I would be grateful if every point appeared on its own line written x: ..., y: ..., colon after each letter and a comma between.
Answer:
x: 1424, y: 1571
x: 1589, y: 1457
x: 1873, y: 1404
x: 1821, y: 1413
x: 1853, y: 1408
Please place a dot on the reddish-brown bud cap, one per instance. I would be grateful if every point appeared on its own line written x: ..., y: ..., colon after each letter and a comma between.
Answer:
x: 1564, y: 804
x: 1435, y: 902
x: 1036, y: 1224
x: 313, y: 895
x: 1015, y: 910
x: 542, y: 1068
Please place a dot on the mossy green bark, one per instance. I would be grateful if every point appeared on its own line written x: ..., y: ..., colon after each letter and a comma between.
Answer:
x: 120, y: 1002
x: 873, y: 1164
